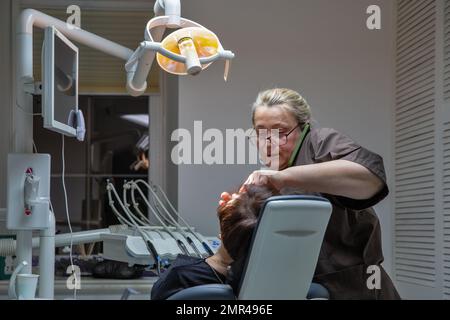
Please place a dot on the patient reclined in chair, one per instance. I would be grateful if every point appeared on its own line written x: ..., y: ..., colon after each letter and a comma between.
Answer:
x: 238, y: 219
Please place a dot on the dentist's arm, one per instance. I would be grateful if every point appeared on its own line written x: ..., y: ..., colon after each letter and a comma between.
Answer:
x: 339, y: 177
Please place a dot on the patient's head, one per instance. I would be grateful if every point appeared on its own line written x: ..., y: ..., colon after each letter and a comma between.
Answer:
x: 238, y: 219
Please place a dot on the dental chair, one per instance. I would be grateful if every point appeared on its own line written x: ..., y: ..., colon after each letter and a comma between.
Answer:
x: 282, y: 257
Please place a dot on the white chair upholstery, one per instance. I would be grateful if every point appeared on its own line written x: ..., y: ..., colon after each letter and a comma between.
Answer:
x: 283, y: 254
x: 285, y: 248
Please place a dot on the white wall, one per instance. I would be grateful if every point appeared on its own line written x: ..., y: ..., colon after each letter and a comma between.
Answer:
x: 321, y: 48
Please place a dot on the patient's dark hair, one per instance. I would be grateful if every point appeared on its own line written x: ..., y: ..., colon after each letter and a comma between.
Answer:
x: 239, y: 218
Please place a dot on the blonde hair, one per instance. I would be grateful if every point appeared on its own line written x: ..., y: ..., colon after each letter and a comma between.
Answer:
x: 290, y: 98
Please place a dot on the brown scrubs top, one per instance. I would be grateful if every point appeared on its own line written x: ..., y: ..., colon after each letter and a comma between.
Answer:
x: 352, y: 240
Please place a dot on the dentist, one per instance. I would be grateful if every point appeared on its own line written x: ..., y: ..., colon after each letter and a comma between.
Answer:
x: 324, y: 162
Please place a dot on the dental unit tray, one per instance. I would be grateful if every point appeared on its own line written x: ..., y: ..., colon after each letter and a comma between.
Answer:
x: 128, y: 246
x: 140, y: 240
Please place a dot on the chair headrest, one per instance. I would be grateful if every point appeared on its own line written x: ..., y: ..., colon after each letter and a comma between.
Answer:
x: 283, y: 200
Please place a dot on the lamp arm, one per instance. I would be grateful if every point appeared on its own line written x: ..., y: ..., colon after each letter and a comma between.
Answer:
x: 170, y: 8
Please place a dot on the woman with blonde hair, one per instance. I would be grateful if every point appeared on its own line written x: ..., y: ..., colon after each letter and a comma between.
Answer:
x: 324, y: 162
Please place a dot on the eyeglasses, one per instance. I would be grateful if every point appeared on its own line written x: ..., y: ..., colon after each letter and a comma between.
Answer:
x: 259, y: 136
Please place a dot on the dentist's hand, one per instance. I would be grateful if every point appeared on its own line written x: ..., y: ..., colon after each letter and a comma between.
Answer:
x: 260, y: 177
x: 225, y: 198
x: 264, y: 177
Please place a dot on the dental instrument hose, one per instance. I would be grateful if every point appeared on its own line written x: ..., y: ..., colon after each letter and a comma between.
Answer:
x: 110, y: 188
x: 163, y: 216
x: 146, y: 221
x: 166, y: 228
x: 160, y: 204
x: 205, y: 245
x: 179, y: 242
x: 188, y: 238
x: 167, y: 213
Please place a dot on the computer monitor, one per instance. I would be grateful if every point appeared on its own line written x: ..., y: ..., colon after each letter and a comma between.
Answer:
x: 60, y: 82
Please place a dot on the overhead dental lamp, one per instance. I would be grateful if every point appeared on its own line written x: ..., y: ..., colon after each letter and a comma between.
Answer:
x: 186, y: 51
x: 192, y: 43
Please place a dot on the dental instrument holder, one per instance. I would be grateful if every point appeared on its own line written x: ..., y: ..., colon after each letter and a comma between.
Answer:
x: 28, y: 203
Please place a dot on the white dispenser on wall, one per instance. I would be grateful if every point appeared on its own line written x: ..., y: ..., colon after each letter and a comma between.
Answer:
x: 28, y: 192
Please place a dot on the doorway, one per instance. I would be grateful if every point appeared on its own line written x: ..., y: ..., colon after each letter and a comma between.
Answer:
x: 117, y: 138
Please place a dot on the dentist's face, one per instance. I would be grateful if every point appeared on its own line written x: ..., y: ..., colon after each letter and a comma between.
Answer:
x: 281, y: 119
